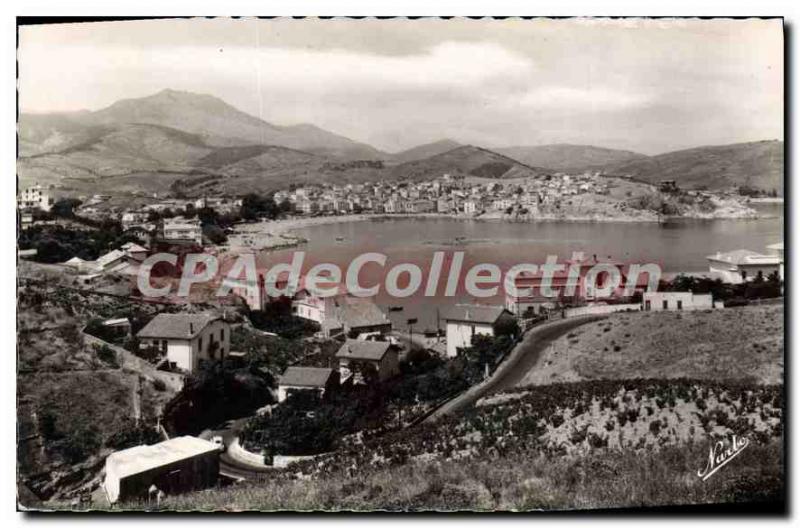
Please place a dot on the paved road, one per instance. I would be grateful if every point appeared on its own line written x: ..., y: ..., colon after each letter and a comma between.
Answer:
x: 508, y: 374
x: 513, y: 370
x: 229, y: 466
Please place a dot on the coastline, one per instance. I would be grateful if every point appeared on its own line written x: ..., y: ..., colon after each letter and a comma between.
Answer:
x: 281, y: 234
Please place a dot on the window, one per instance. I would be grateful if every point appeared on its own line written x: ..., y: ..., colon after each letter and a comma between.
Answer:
x: 647, y: 305
x: 680, y: 305
x: 163, y: 345
x: 665, y: 304
x: 222, y: 335
x: 201, y: 343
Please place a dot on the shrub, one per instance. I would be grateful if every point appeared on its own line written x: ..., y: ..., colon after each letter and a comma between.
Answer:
x: 655, y: 427
x: 108, y: 356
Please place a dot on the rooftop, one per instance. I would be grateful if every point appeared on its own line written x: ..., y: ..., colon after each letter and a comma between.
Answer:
x: 743, y: 257
x: 358, y: 311
x: 474, y: 313
x: 357, y: 349
x: 145, y: 457
x: 177, y: 326
x: 306, y: 376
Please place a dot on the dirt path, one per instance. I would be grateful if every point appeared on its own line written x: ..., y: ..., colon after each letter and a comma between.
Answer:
x: 516, y: 366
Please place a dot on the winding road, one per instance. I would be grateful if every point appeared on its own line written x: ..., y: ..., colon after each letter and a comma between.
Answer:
x: 229, y: 466
x: 519, y: 362
x: 511, y: 371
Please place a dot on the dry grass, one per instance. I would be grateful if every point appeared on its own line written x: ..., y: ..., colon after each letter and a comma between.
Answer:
x: 739, y: 343
x: 527, y: 482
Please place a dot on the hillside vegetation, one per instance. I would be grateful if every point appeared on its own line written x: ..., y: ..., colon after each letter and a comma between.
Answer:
x: 569, y: 157
x: 757, y: 165
x: 735, y: 343
x: 541, y: 448
x: 528, y: 482
x: 466, y: 161
x: 425, y: 151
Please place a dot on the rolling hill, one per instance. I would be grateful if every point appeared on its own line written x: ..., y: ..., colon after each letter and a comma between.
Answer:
x: 425, y: 151
x: 568, y: 157
x: 757, y: 165
x: 150, y: 158
x: 155, y: 143
x: 466, y: 161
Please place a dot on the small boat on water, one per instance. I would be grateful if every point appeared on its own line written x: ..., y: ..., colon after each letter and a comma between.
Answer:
x: 395, y: 308
x: 340, y: 239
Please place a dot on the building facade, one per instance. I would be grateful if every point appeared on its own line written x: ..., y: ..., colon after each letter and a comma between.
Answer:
x: 742, y: 265
x: 182, y: 229
x: 188, y: 340
x: 35, y: 197
x: 319, y: 380
x: 178, y: 465
x: 464, y: 322
x: 661, y: 301
x: 355, y: 354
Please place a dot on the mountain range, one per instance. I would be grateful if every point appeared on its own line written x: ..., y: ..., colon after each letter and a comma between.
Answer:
x: 198, y: 143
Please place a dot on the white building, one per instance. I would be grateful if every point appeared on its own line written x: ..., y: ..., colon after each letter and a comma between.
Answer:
x: 35, y: 197
x: 315, y: 379
x: 464, y: 321
x: 175, y: 466
x: 470, y: 207
x: 187, y: 340
x: 182, y: 229
x: 131, y: 219
x: 777, y: 250
x: 660, y: 301
x: 742, y: 265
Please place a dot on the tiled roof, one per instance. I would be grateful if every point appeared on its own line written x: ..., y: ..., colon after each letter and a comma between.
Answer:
x: 358, y: 312
x: 357, y: 349
x: 305, y: 376
x: 176, y: 326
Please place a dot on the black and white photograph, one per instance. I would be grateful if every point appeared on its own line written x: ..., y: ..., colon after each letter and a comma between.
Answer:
x: 360, y: 264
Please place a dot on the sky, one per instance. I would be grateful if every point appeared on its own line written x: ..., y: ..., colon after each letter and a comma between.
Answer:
x: 649, y: 86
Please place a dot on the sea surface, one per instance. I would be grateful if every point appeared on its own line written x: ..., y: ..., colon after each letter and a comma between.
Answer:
x: 677, y: 246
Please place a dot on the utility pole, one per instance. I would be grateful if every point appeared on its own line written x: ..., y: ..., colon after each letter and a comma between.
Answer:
x: 438, y: 326
x: 411, y: 323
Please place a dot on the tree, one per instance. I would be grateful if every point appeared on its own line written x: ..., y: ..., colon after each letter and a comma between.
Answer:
x: 256, y: 206
x: 207, y: 216
x: 50, y: 251
x: 285, y: 206
x: 215, y: 234
x: 506, y: 326
x: 65, y: 207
